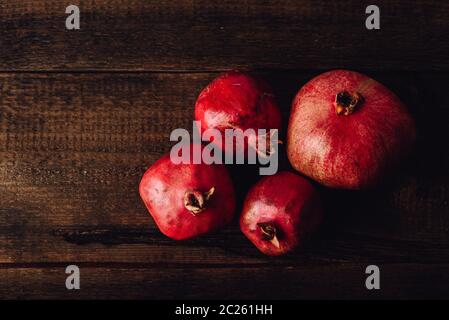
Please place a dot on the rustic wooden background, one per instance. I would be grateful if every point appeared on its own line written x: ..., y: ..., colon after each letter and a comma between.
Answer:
x: 84, y: 113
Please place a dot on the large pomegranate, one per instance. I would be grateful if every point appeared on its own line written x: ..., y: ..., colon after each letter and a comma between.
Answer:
x: 188, y: 200
x: 280, y: 212
x: 347, y: 130
x: 236, y: 100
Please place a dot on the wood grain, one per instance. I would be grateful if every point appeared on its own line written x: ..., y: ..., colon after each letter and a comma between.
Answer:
x: 74, y: 147
x: 344, y: 281
x: 84, y: 113
x: 204, y: 35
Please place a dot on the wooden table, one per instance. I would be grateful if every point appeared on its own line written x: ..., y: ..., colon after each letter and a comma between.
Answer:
x: 83, y: 113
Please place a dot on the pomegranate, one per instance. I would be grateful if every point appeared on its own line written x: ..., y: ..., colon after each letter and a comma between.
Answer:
x: 236, y: 100
x: 188, y: 200
x: 347, y: 130
x: 280, y: 212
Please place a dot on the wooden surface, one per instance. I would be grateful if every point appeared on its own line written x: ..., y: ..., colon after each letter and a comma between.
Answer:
x: 84, y: 113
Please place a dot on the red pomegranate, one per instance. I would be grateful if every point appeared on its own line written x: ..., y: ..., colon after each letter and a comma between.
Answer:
x: 347, y: 130
x: 236, y: 100
x: 280, y: 212
x: 188, y: 200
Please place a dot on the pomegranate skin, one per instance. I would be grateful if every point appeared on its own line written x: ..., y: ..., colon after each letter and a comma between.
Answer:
x: 165, y: 187
x: 236, y: 100
x: 285, y: 202
x: 359, y: 146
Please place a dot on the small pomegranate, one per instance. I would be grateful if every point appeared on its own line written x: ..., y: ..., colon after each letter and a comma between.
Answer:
x: 188, y: 200
x: 347, y: 130
x: 280, y: 212
x: 236, y: 100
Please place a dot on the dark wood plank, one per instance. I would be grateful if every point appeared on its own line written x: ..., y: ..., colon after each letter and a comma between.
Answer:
x: 74, y: 146
x: 345, y: 281
x: 200, y: 35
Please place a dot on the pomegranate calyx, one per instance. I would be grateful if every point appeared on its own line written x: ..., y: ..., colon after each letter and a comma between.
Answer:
x: 346, y: 103
x: 269, y: 148
x: 196, y: 201
x: 269, y: 233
